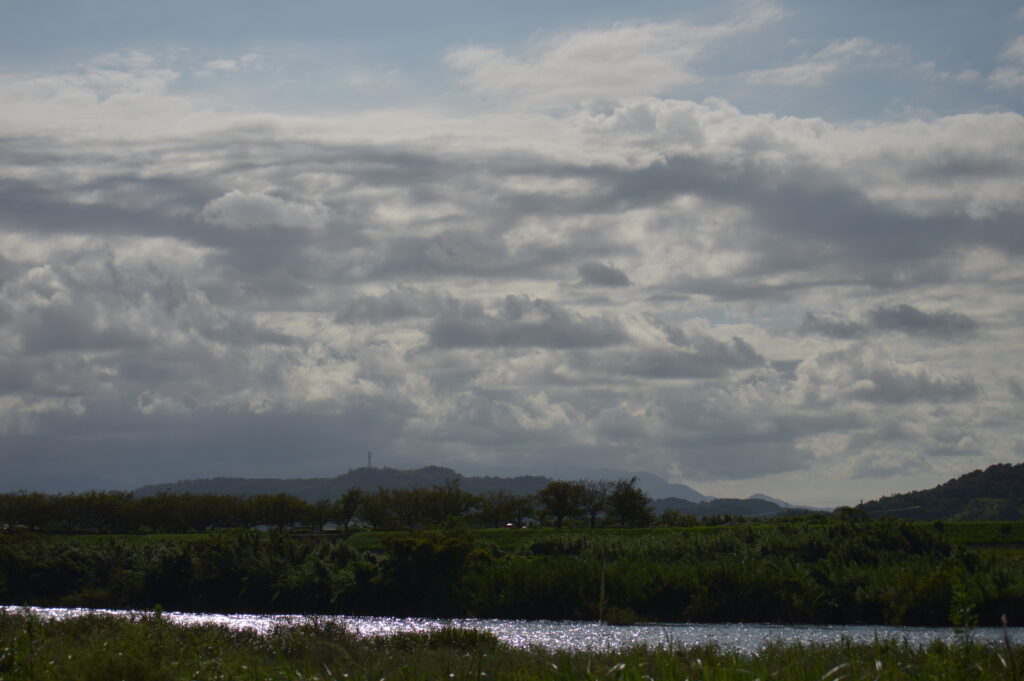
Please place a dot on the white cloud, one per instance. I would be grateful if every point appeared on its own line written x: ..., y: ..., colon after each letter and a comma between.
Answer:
x: 253, y: 210
x: 1010, y: 74
x: 247, y: 62
x: 1015, y: 51
x: 815, y: 69
x: 600, y: 64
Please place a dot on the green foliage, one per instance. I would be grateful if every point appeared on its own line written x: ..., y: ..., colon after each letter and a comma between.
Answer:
x: 814, y: 572
x: 992, y: 494
x: 561, y: 499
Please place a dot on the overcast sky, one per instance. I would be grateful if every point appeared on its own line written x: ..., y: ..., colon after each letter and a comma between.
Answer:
x: 751, y: 246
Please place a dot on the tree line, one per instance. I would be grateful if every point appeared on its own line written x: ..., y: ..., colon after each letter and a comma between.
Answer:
x: 813, y: 571
x: 561, y: 502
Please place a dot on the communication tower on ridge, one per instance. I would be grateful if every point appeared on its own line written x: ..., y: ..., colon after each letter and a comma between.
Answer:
x: 369, y: 459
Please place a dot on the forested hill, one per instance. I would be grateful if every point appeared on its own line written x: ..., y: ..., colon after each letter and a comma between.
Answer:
x: 995, y: 493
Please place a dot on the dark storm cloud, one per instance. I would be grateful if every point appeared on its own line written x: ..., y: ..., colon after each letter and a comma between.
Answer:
x: 600, y: 274
x: 939, y: 324
x: 521, y: 321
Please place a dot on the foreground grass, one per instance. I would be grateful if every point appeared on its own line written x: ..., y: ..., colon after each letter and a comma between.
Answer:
x: 150, y: 648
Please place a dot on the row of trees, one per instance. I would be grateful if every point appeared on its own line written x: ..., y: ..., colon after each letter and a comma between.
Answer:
x: 620, y: 503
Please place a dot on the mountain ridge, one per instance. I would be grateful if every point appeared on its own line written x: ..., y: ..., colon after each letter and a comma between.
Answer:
x: 666, y: 494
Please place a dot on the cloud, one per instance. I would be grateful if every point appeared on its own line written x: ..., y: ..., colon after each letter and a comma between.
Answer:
x: 244, y: 210
x: 398, y: 303
x: 246, y: 62
x: 1016, y: 388
x: 915, y: 322
x: 814, y: 69
x: 895, y: 386
x: 1009, y: 74
x: 600, y: 64
x: 938, y: 324
x: 607, y: 284
x: 834, y: 327
x: 599, y: 274
x: 521, y: 321
x: 664, y: 351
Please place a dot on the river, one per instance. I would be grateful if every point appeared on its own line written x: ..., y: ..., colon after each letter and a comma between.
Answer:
x: 566, y: 635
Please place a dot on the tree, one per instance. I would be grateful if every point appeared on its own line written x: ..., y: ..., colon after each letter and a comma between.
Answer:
x: 594, y: 498
x: 629, y: 504
x: 446, y: 501
x: 347, y: 506
x: 560, y: 499
x: 319, y: 513
x: 497, y: 507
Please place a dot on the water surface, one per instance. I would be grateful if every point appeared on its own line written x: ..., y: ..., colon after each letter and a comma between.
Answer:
x: 571, y: 635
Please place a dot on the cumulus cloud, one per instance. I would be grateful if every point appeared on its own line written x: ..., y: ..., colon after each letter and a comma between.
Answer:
x: 254, y: 210
x: 607, y: 284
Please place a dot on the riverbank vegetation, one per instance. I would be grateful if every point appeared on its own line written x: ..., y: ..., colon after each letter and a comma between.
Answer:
x: 827, y: 570
x: 149, y: 648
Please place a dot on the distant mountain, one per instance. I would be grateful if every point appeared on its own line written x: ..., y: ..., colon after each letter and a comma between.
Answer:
x: 368, y: 479
x: 740, y: 507
x: 995, y: 493
x: 682, y: 498
x: 786, y: 504
x: 657, y: 488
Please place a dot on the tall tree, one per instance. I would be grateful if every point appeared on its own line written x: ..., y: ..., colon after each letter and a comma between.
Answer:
x: 347, y: 507
x: 629, y: 505
x: 594, y: 498
x: 560, y: 499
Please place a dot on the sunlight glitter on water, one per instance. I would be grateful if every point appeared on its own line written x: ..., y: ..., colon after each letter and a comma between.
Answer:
x: 566, y: 635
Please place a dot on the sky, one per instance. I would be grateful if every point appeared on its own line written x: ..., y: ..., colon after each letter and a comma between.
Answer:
x: 754, y: 247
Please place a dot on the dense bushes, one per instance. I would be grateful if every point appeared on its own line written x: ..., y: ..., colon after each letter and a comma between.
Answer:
x: 879, y: 572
